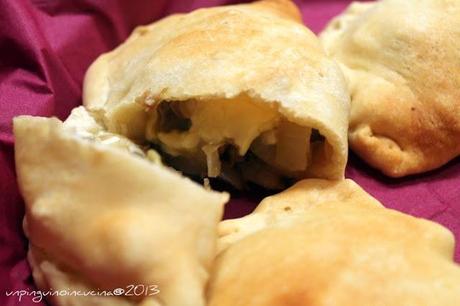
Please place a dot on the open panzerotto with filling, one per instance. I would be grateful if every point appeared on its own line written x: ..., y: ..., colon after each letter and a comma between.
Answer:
x: 241, y: 92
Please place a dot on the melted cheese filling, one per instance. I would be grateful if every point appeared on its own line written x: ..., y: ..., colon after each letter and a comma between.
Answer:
x: 202, y: 130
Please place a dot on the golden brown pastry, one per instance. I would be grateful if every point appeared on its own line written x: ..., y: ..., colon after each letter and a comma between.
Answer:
x: 401, y: 59
x: 324, y: 243
x: 103, y: 214
x: 244, y: 92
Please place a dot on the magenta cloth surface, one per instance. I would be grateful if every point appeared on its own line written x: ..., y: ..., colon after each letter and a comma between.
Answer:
x: 45, y: 49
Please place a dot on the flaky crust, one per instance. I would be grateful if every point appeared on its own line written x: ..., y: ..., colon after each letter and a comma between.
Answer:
x: 401, y: 58
x: 259, y: 49
x: 100, y: 218
x: 329, y: 243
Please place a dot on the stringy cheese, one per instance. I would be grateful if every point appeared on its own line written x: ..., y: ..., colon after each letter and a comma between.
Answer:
x: 238, y: 121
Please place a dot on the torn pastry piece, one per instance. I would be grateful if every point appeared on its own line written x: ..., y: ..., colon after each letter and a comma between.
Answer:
x: 329, y: 243
x: 242, y: 92
x: 102, y: 213
x: 401, y: 62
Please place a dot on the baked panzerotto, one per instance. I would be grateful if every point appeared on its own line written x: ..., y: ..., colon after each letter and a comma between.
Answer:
x: 329, y: 243
x: 103, y: 214
x: 402, y: 61
x: 243, y: 92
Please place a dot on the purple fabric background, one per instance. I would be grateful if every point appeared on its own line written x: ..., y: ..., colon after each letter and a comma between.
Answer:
x: 45, y: 48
